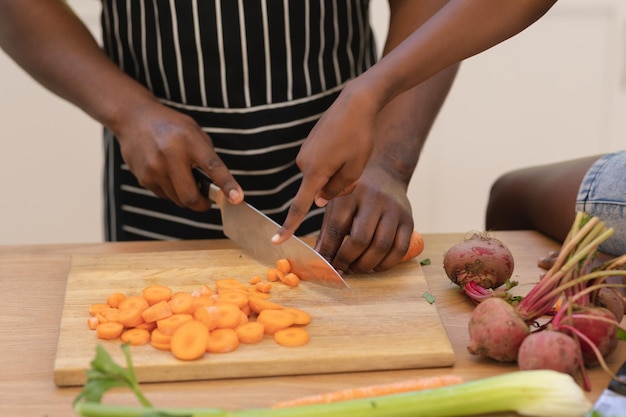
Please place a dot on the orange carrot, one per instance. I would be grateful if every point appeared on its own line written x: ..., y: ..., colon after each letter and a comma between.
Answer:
x: 222, y: 341
x: 290, y: 279
x: 134, y: 301
x: 170, y: 324
x: 146, y: 326
x: 136, y: 337
x: 203, y: 301
x: 189, y: 341
x: 157, y: 312
x: 258, y: 304
x: 114, y: 300
x: 227, y: 315
x: 300, y: 317
x: 250, y: 332
x: 98, y: 308
x: 374, y: 390
x: 255, y: 279
x: 156, y: 293
x: 109, y: 314
x: 283, y: 266
x: 159, y: 337
x: 237, y: 298
x: 130, y: 317
x: 92, y: 322
x: 416, y: 246
x: 109, y: 330
x: 274, y: 320
x: 263, y: 286
x: 229, y: 283
x: 161, y: 346
x: 273, y: 274
x: 182, y: 302
x: 206, y: 290
x: 292, y: 336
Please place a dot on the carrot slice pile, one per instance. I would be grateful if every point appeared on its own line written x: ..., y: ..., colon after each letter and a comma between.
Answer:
x: 211, y: 319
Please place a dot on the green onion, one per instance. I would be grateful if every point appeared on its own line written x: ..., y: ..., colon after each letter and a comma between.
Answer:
x: 540, y: 393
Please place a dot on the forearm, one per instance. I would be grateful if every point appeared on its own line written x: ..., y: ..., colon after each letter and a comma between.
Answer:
x: 51, y: 43
x: 459, y: 30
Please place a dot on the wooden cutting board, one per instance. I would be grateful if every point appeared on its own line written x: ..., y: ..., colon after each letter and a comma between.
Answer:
x: 382, y: 322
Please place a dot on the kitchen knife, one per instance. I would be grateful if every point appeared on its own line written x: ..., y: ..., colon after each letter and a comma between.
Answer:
x: 612, y: 401
x: 253, y: 231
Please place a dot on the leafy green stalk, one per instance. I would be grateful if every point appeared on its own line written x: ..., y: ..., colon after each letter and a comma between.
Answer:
x: 537, y: 393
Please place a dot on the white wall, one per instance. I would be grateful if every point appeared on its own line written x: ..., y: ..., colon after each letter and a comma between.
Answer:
x: 555, y: 91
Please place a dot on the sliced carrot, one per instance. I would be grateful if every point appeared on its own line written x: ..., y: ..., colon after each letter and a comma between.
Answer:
x: 203, y: 301
x: 292, y: 336
x: 156, y: 312
x: 416, y: 246
x: 244, y: 318
x: 92, y: 322
x: 156, y: 293
x: 254, y: 292
x: 229, y: 283
x: 219, y: 316
x: 283, y: 266
x: 134, y: 301
x: 250, y: 332
x: 136, y: 337
x: 290, y: 279
x: 109, y: 314
x: 146, y: 326
x: 373, y: 390
x: 273, y: 274
x: 189, y: 341
x: 159, y: 337
x: 170, y: 324
x: 114, y: 300
x: 109, y: 330
x: 237, y: 298
x: 275, y: 320
x: 255, y: 279
x: 182, y: 302
x: 130, y: 317
x: 263, y: 286
x: 98, y: 308
x: 258, y: 304
x: 246, y: 310
x: 222, y: 341
x: 206, y: 290
x: 300, y: 317
x: 161, y: 346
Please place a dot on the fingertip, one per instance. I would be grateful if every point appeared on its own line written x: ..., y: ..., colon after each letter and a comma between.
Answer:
x: 235, y: 196
x: 321, y: 201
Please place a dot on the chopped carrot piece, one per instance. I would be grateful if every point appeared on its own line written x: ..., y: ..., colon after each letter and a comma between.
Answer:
x: 206, y: 290
x: 159, y: 337
x: 203, y: 301
x: 189, y: 341
x: 246, y: 310
x: 275, y: 320
x: 157, y: 312
x: 219, y: 316
x: 146, y: 326
x: 292, y: 336
x: 170, y: 324
x: 255, y: 279
x: 109, y: 314
x: 114, y: 300
x: 250, y: 332
x: 258, y: 304
x: 273, y: 274
x: 222, y: 341
x: 290, y: 279
x: 283, y: 266
x: 263, y: 286
x: 237, y: 298
x: 416, y: 246
x: 373, y: 390
x: 136, y: 337
x: 253, y: 292
x: 92, y: 322
x: 98, y: 308
x: 182, y: 302
x: 229, y: 283
x: 244, y: 319
x: 109, y: 330
x: 161, y: 346
x: 156, y: 293
x: 300, y: 317
x: 134, y: 301
x: 130, y: 317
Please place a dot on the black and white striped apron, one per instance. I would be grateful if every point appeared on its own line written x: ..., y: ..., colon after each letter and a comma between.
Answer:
x: 255, y: 74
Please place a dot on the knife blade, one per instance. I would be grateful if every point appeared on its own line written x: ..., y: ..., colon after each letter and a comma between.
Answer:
x: 612, y: 401
x: 253, y: 230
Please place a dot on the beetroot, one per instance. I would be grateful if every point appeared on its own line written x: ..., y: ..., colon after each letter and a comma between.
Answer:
x: 597, y: 325
x: 496, y: 331
x: 549, y: 349
x: 480, y: 259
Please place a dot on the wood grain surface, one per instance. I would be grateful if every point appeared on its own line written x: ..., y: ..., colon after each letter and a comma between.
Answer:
x: 382, y: 322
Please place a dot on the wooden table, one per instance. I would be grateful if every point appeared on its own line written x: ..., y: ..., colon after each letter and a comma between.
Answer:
x: 32, y: 285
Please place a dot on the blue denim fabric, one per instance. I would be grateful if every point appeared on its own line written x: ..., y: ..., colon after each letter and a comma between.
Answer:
x: 602, y: 193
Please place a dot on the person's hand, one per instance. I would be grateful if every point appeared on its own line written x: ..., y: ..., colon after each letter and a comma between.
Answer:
x: 161, y: 146
x: 333, y: 156
x: 375, y: 220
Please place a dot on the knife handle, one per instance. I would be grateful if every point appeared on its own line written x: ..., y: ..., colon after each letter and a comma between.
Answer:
x: 205, y: 184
